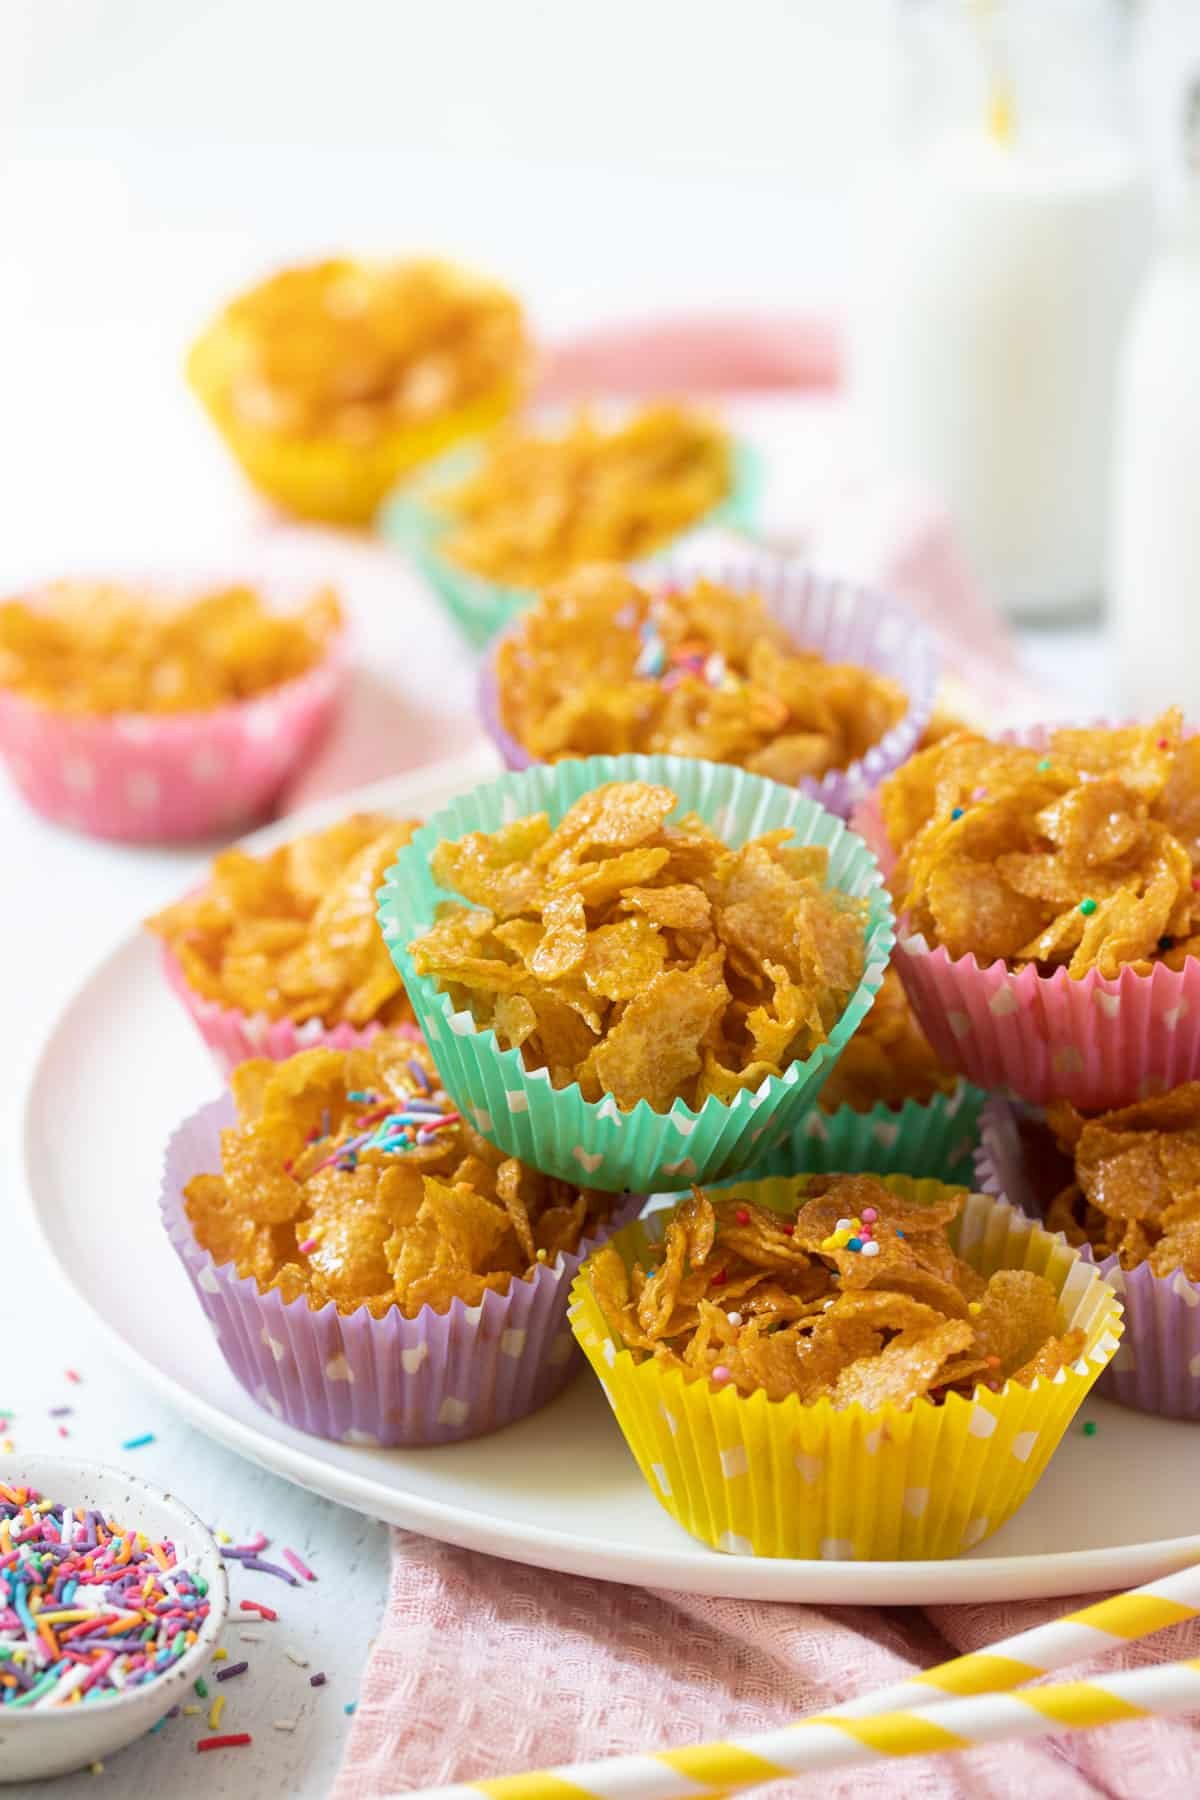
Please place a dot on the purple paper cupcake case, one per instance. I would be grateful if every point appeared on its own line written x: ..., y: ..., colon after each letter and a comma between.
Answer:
x: 1095, y: 1041
x: 435, y: 1379
x: 844, y: 621
x: 1156, y: 1368
x: 234, y: 1036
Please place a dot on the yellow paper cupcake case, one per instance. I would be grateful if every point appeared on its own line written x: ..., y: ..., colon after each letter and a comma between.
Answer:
x: 326, y: 478
x: 759, y: 1477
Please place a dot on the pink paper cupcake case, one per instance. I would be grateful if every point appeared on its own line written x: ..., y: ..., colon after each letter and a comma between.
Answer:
x: 846, y: 622
x: 151, y: 778
x: 435, y: 1379
x: 234, y: 1036
x: 1096, y: 1042
x: 1157, y: 1366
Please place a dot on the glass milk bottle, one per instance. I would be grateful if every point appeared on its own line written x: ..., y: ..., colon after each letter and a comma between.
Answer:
x: 997, y: 255
x: 1156, y: 505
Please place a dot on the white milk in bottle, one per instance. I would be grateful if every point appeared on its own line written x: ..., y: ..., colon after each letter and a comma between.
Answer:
x: 1155, y: 579
x: 998, y: 254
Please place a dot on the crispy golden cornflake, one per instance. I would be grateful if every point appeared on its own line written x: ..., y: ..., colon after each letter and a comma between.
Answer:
x: 888, y: 1060
x: 293, y: 934
x: 601, y: 666
x: 1136, y: 1191
x: 352, y: 350
x: 350, y: 1178
x: 746, y: 1295
x: 1080, y: 855
x: 97, y: 648
x: 542, y: 504
x: 640, y: 958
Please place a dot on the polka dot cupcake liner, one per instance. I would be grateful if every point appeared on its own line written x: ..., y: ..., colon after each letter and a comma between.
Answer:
x: 435, y: 1379
x: 481, y: 608
x: 594, y: 1141
x: 758, y: 1477
x: 936, y: 1139
x: 842, y: 620
x: 1157, y: 1366
x: 1095, y: 1041
x: 147, y: 778
x: 234, y: 1036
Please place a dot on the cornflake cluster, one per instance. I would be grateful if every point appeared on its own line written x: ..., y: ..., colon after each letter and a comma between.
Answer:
x: 541, y: 504
x: 98, y: 648
x: 1082, y: 855
x: 351, y: 1178
x: 643, y: 959
x: 855, y: 1297
x: 601, y: 666
x: 293, y: 934
x: 1136, y: 1190
x: 354, y: 350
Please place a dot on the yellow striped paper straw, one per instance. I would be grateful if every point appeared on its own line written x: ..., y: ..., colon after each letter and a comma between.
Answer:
x: 1075, y: 1638
x: 830, y: 1742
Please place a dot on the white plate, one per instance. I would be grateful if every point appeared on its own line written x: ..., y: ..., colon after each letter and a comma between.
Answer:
x: 122, y: 1065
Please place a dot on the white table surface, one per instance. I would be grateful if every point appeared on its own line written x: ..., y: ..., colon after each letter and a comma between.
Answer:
x: 102, y: 456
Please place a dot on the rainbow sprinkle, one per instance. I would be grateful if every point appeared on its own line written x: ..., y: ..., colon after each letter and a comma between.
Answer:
x: 855, y: 1235
x: 88, y: 1608
x: 692, y: 657
x: 301, y: 1568
x: 392, y: 1128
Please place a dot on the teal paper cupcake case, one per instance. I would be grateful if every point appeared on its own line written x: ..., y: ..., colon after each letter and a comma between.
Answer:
x: 557, y: 1130
x: 413, y: 522
x: 934, y: 1140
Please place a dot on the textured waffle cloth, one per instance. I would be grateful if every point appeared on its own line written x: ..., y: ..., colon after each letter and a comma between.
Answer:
x: 483, y: 1667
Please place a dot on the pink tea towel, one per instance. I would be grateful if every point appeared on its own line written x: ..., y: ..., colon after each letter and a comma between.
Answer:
x: 484, y: 1667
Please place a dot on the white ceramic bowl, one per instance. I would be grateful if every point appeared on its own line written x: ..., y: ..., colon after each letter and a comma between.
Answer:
x: 53, y: 1742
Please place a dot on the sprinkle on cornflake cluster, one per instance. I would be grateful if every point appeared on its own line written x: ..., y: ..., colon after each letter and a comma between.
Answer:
x: 387, y: 1127
x: 87, y: 1608
x: 690, y: 657
x: 856, y: 1235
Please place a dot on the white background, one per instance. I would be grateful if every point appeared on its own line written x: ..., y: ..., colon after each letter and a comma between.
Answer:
x: 607, y: 160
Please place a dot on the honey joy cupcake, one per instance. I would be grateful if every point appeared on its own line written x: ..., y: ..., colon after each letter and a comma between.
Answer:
x: 1049, y: 895
x: 159, y: 711
x: 1123, y: 1187
x: 281, y: 952
x: 330, y: 380
x: 889, y: 1106
x: 637, y: 968
x: 375, y: 1272
x: 842, y: 1367
x: 492, y: 525
x: 810, y: 682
